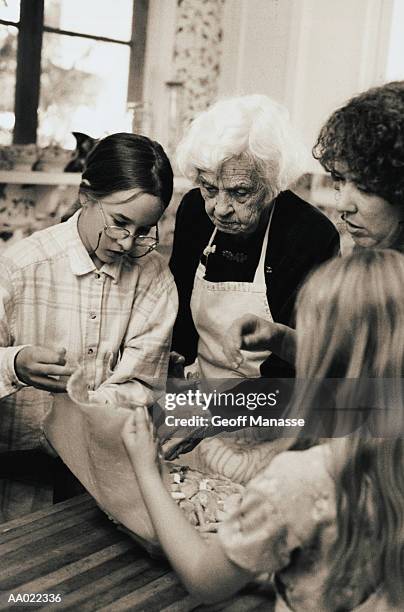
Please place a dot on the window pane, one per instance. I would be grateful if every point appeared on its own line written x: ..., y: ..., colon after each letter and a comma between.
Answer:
x: 8, y: 64
x: 111, y: 18
x: 10, y: 10
x: 83, y: 88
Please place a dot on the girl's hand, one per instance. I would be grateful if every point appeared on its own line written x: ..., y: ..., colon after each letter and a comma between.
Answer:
x: 139, y: 440
x: 43, y: 368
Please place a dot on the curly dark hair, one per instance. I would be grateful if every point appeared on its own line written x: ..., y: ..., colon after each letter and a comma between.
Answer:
x: 364, y: 141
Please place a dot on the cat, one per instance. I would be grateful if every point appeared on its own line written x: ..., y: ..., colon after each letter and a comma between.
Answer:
x: 84, y: 146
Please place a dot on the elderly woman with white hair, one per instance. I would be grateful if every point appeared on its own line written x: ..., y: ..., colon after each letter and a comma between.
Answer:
x: 243, y: 241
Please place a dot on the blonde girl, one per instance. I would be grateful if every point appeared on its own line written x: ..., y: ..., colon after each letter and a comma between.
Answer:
x: 326, y: 525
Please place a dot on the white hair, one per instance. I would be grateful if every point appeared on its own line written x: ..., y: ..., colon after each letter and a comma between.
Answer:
x: 252, y: 125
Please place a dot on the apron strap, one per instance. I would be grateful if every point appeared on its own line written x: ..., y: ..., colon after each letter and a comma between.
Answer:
x: 209, y: 248
x: 261, y: 264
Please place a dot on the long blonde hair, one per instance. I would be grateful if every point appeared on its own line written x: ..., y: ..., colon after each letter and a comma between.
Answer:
x: 353, y: 308
x: 370, y: 518
x: 350, y: 327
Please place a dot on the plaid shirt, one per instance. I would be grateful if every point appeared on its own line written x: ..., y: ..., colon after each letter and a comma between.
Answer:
x: 115, y: 321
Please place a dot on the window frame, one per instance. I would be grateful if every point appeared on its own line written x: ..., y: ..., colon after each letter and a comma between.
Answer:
x: 29, y: 47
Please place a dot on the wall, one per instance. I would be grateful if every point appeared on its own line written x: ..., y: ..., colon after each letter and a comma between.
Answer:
x: 183, y: 62
x: 310, y: 55
x: 159, y: 63
x: 338, y: 54
x: 395, y: 62
x: 256, y: 47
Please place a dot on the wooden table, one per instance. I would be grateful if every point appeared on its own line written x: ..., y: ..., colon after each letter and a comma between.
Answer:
x: 75, y: 551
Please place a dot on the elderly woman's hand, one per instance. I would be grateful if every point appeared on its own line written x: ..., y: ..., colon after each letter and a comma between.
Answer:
x: 140, y: 443
x: 252, y: 333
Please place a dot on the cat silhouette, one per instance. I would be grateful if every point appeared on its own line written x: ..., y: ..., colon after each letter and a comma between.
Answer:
x: 84, y: 146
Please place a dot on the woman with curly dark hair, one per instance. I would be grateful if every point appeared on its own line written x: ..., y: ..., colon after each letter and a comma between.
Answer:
x: 362, y: 146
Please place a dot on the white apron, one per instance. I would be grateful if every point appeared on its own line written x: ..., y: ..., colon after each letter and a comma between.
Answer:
x: 216, y: 305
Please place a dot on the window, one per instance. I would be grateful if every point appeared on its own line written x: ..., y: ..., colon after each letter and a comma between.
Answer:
x: 69, y: 65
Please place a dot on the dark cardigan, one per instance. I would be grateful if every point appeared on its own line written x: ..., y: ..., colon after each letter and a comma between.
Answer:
x: 300, y: 239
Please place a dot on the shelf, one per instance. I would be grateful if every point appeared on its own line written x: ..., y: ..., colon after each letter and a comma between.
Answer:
x: 64, y: 178
x: 40, y: 178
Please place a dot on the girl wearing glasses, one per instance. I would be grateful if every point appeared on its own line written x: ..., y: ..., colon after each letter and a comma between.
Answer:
x: 88, y: 291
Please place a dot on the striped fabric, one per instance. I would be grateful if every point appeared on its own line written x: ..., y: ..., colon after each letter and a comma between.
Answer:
x: 115, y: 321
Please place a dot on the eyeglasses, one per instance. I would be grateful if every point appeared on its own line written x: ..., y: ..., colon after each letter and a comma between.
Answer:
x: 142, y: 245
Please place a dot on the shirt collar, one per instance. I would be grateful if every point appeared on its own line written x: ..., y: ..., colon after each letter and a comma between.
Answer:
x: 80, y: 261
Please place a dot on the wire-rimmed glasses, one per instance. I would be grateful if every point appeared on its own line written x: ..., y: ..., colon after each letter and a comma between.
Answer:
x: 142, y: 245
